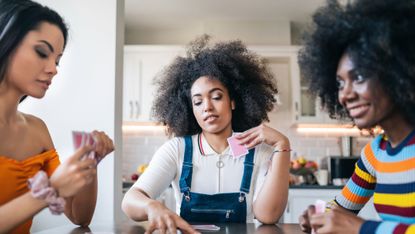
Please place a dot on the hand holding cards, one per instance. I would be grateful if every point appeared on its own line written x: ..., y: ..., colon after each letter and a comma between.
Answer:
x: 83, y: 138
x: 237, y: 150
x: 320, y: 207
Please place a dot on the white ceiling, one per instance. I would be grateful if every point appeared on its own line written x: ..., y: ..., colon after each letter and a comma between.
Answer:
x: 154, y: 14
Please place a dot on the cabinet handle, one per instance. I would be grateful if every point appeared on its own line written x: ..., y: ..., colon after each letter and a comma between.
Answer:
x: 296, y: 106
x: 288, y: 207
x: 137, y: 113
x: 131, y: 109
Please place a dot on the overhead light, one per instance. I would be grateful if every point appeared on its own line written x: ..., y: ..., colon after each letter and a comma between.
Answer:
x: 338, y: 129
x: 142, y: 126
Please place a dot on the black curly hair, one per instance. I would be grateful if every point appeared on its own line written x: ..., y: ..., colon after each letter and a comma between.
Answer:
x: 379, y: 37
x: 250, y: 84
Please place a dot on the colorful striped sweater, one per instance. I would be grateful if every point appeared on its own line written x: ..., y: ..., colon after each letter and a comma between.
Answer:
x: 387, y: 174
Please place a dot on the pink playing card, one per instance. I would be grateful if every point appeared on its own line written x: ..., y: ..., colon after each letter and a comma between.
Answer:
x: 237, y: 150
x: 320, y: 206
x: 84, y: 138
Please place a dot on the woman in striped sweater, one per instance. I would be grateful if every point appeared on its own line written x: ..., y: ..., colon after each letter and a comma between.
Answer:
x: 360, y: 60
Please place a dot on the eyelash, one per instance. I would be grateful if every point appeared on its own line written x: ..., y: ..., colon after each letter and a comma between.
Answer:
x: 41, y: 53
x: 44, y: 56
x: 216, y: 98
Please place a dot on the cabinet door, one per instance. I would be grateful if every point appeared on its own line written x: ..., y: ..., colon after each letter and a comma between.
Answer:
x: 300, y: 199
x: 307, y: 109
x: 141, y: 66
x: 131, y: 90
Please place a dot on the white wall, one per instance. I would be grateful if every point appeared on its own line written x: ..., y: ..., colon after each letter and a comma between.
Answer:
x: 85, y: 95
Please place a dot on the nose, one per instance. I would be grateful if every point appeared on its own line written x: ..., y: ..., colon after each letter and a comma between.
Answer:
x: 51, y: 68
x: 207, y: 105
x: 347, y: 93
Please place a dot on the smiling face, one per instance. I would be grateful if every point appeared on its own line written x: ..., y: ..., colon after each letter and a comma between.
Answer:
x: 34, y: 63
x: 212, y: 105
x: 364, y: 98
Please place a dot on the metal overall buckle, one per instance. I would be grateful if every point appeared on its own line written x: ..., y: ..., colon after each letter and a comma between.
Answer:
x: 241, y: 197
x: 187, y: 196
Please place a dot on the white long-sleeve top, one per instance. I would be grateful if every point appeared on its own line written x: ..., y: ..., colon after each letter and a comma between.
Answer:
x: 166, y: 166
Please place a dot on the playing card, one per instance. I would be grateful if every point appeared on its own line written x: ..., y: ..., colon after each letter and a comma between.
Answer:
x: 237, y: 150
x: 83, y: 138
x: 320, y: 206
x: 206, y: 227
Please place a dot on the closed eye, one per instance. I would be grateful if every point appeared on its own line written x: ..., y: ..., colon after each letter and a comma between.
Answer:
x: 42, y: 54
x: 197, y: 102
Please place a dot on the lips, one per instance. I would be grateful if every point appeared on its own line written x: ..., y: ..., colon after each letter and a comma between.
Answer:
x: 358, y: 110
x: 210, y: 118
x: 45, y: 83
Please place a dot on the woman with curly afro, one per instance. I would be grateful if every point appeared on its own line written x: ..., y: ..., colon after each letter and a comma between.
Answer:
x: 360, y: 60
x: 212, y: 94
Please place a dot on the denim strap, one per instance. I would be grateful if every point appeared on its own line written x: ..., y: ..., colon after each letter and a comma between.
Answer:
x: 187, y: 168
x: 248, y: 168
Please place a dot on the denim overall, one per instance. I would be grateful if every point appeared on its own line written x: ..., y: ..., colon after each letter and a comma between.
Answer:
x: 216, y: 208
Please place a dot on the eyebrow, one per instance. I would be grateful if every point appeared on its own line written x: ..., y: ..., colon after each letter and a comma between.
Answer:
x: 210, y: 91
x: 353, y: 71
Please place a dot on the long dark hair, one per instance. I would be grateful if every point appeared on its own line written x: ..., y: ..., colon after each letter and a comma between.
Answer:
x: 17, y: 18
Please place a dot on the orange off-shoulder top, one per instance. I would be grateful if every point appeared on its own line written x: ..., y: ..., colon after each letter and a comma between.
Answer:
x: 14, y: 175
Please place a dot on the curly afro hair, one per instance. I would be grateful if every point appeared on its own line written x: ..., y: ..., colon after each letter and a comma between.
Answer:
x: 250, y: 84
x: 379, y: 37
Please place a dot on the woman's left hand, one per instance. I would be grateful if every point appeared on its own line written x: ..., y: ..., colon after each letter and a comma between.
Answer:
x: 262, y: 133
x: 103, y: 144
x: 337, y: 221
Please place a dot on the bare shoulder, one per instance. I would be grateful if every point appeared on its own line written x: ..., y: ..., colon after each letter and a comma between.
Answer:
x: 38, y: 130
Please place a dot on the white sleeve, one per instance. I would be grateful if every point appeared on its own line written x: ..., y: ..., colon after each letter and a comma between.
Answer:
x: 162, y: 169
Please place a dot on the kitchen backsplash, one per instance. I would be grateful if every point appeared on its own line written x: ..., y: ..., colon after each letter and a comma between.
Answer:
x: 140, y: 144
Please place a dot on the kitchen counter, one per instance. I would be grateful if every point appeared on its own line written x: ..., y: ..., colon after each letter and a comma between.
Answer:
x: 130, y: 228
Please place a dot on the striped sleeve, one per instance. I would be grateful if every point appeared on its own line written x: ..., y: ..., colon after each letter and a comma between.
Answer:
x: 386, y: 227
x: 359, y: 188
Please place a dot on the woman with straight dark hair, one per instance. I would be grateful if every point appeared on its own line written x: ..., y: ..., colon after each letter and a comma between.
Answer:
x: 32, y: 40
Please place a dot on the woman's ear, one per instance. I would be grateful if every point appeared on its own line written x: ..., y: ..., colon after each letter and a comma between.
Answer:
x: 233, y: 105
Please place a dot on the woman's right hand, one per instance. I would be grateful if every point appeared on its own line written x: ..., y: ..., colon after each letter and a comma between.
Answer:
x: 166, y: 221
x: 304, y: 219
x: 74, y: 173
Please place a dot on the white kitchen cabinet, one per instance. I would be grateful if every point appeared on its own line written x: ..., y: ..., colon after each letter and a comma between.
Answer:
x: 300, y: 199
x: 141, y: 65
x: 306, y: 108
